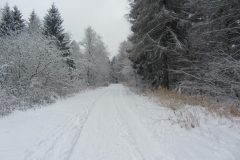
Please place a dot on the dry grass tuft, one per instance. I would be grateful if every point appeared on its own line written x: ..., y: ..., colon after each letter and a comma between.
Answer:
x: 188, y: 120
x: 186, y: 116
x: 175, y: 100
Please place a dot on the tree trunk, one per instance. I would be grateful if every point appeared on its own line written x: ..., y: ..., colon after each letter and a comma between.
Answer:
x: 165, y: 82
x: 87, y: 79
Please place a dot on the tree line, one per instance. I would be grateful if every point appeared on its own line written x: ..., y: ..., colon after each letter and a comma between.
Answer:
x: 39, y: 62
x: 189, y: 46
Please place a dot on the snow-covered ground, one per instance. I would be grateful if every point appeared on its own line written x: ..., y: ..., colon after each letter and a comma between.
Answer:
x: 112, y: 123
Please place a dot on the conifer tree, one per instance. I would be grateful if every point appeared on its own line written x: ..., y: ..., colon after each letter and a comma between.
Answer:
x: 18, y: 22
x: 6, y: 24
x: 215, y: 49
x: 158, y: 39
x: 52, y: 27
x: 32, y: 17
x: 11, y: 21
x: 34, y: 22
x: 1, y: 10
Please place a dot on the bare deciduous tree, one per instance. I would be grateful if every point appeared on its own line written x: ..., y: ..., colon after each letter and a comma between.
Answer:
x: 96, y: 58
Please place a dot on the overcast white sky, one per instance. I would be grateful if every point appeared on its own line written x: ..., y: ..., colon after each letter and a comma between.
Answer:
x: 105, y: 16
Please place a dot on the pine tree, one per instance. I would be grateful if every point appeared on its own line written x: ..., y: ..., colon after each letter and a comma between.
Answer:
x: 18, y: 24
x: 6, y: 24
x: 52, y: 27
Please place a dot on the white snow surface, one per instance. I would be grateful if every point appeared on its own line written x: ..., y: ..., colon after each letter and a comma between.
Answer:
x: 112, y: 123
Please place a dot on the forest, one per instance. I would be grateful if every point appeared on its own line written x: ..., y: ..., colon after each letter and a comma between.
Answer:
x: 39, y: 62
x: 186, y: 46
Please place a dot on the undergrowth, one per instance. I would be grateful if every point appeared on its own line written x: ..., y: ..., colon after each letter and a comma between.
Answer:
x: 189, y: 109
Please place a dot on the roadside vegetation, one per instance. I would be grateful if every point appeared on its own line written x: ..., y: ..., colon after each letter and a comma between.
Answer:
x: 186, y: 52
x: 40, y: 62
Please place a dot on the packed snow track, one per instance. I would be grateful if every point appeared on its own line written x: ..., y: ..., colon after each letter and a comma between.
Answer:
x: 110, y: 123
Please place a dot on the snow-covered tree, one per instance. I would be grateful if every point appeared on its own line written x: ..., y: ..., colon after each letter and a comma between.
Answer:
x: 31, y: 70
x: 78, y: 74
x: 52, y: 27
x: 11, y: 21
x: 214, y: 48
x: 34, y: 23
x: 190, y: 45
x: 123, y: 70
x: 76, y: 50
x: 112, y: 74
x: 1, y: 11
x: 102, y: 63
x: 159, y: 38
x: 18, y: 21
x: 96, y: 60
x: 6, y: 23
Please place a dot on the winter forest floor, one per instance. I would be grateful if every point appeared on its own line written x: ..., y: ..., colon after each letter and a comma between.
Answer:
x: 113, y: 123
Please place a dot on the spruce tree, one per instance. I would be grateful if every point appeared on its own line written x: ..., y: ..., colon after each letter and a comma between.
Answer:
x: 215, y: 49
x: 52, y: 27
x: 18, y: 22
x: 11, y: 21
x: 159, y: 29
x: 34, y: 23
x: 32, y: 17
x: 6, y: 24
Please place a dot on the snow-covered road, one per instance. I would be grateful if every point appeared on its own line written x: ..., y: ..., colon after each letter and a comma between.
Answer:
x: 111, y: 123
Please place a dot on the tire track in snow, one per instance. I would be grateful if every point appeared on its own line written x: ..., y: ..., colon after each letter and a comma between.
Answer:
x: 124, y: 129
x: 78, y: 135
x: 134, y: 150
x: 104, y: 136
x: 144, y: 142
x: 64, y: 139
